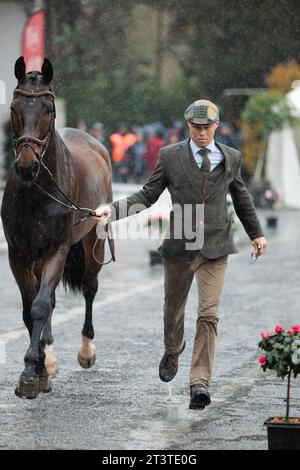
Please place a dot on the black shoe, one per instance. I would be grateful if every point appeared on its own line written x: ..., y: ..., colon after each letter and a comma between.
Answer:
x: 200, y: 397
x: 169, y: 365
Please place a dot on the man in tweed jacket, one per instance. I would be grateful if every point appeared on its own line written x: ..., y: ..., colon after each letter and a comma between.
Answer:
x: 199, y: 173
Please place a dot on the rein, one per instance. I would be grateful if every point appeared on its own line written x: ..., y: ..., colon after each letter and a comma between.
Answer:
x: 26, y: 141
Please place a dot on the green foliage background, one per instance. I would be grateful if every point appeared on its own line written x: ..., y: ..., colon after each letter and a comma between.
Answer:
x: 215, y: 45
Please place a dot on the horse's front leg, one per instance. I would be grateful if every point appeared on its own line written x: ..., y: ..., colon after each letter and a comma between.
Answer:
x: 35, y: 371
x: 26, y: 280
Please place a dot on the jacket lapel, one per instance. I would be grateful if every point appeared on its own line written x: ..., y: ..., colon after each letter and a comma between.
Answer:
x: 225, y: 175
x: 227, y: 154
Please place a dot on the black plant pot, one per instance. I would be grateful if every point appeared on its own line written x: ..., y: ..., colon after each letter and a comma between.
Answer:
x: 283, y: 436
x: 272, y: 221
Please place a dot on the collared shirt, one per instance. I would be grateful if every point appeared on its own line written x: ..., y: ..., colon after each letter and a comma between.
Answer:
x: 215, y: 155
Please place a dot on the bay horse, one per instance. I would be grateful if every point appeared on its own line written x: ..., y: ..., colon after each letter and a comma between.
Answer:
x: 45, y: 245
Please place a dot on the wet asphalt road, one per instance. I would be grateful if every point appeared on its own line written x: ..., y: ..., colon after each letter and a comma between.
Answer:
x: 120, y: 403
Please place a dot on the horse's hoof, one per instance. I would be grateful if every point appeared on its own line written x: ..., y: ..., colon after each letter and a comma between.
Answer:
x: 28, y: 389
x: 45, y: 384
x: 86, y: 363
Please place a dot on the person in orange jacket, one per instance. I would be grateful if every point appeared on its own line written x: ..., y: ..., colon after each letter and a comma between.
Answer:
x: 121, y: 141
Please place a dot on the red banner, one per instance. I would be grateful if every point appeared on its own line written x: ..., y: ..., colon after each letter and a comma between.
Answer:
x: 33, y: 42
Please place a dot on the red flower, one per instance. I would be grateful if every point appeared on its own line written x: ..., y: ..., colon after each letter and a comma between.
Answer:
x: 296, y: 328
x: 290, y: 332
x: 262, y: 360
x: 263, y: 335
x: 278, y: 329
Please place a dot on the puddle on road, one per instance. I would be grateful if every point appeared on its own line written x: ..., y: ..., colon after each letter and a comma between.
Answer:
x: 173, y: 424
x: 5, y: 406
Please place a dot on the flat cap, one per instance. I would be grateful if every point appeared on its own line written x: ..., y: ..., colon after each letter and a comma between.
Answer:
x: 202, y: 112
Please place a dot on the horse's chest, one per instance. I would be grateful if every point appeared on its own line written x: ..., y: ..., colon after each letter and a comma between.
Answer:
x: 37, y: 238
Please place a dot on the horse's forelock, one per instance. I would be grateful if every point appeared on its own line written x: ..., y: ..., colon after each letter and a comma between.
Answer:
x: 34, y: 76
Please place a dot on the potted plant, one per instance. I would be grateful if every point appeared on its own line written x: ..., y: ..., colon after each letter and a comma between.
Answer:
x: 282, y: 354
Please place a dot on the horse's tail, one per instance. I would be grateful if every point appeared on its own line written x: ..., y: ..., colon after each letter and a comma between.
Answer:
x: 74, y: 268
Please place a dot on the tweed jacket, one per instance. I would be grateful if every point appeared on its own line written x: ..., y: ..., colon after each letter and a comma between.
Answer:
x: 177, y: 171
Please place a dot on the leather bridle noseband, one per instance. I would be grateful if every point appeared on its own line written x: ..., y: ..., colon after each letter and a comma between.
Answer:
x: 27, y: 141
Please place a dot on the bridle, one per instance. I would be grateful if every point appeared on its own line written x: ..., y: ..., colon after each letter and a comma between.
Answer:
x: 27, y: 141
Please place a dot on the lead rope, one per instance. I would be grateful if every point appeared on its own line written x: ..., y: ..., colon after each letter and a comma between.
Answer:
x: 88, y: 213
x: 111, y: 244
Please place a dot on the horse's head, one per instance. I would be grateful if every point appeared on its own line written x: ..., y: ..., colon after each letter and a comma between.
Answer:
x: 32, y: 117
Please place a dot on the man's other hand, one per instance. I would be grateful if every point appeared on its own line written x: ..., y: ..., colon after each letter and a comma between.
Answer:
x: 259, y: 245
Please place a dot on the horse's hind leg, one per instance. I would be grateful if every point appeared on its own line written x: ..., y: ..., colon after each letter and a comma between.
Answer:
x: 47, y: 367
x: 48, y: 364
x: 87, y: 352
x: 51, y: 363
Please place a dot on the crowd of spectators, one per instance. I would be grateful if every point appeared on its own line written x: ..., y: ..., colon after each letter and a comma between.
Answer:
x: 134, y: 151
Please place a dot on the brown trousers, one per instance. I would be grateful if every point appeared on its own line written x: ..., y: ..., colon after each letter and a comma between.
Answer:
x: 179, y: 275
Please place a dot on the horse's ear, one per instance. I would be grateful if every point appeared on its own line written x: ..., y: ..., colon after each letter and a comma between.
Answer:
x: 47, y: 71
x: 20, y: 69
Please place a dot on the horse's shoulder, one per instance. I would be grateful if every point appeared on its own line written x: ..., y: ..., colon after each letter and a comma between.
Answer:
x: 78, y: 138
